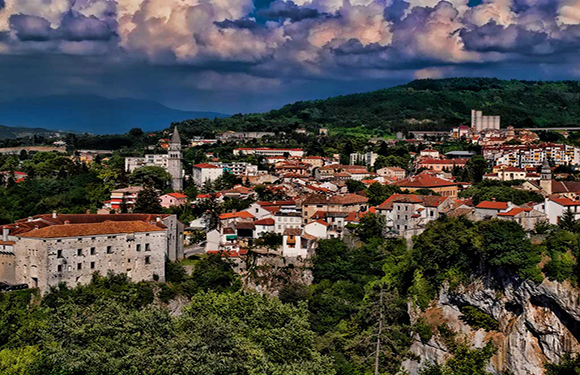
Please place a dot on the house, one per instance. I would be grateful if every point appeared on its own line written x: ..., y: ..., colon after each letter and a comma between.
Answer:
x: 429, y: 153
x: 313, y: 161
x: 426, y: 180
x: 491, y: 209
x: 128, y: 195
x: 337, y: 203
x: 205, y: 172
x: 317, y: 228
x: 395, y: 173
x: 408, y: 214
x: 297, y: 243
x: 173, y: 200
x: 264, y: 226
x: 527, y: 217
x: 230, y: 217
x: 439, y: 165
x: 336, y: 221
x: 556, y: 206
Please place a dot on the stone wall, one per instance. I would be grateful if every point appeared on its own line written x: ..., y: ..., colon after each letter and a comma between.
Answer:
x: 44, y: 263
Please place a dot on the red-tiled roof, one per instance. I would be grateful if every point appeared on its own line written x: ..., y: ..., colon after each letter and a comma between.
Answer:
x: 514, y: 211
x: 492, y: 205
x: 423, y: 180
x: 292, y: 231
x: 320, y: 221
x: 92, y: 229
x: 177, y: 195
x: 563, y: 201
x: 267, y: 221
x: 239, y: 214
x: 206, y: 166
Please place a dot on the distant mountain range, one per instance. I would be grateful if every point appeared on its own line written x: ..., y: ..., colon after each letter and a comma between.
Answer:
x: 19, y: 132
x: 88, y: 113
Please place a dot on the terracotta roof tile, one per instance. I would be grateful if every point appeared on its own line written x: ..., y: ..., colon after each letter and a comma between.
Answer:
x: 492, y: 205
x: 92, y: 229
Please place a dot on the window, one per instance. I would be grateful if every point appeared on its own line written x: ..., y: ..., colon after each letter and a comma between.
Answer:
x: 79, y: 252
x: 138, y: 247
x: 93, y: 251
x: 147, y: 248
x: 79, y: 266
x: 147, y: 260
x: 92, y: 265
x: 109, y: 250
x: 59, y: 268
x: 59, y: 253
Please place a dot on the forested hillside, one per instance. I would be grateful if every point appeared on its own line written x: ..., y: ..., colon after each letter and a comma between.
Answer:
x: 421, y: 104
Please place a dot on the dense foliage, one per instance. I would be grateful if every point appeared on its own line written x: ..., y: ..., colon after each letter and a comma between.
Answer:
x: 422, y: 104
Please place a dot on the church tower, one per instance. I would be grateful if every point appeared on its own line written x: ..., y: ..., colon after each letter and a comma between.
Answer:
x: 174, y: 162
x: 546, y: 177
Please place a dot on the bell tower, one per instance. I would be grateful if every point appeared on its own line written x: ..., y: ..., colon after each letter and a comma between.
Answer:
x: 546, y: 177
x: 174, y: 166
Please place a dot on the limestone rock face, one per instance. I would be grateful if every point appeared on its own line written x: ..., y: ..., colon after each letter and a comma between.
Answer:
x: 538, y: 323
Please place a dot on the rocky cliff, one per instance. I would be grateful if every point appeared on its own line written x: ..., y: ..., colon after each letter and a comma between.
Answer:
x: 537, y: 323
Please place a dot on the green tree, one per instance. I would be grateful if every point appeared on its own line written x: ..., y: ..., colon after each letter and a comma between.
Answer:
x: 147, y: 202
x: 156, y: 177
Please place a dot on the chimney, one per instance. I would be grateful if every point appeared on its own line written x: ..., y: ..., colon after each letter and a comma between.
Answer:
x: 30, y: 219
x: 66, y: 222
x: 54, y: 215
x: 88, y: 211
x: 36, y: 227
x: 158, y: 219
x: 493, y: 199
x: 5, y: 232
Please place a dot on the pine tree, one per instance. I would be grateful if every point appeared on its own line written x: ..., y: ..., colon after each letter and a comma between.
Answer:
x: 568, y: 221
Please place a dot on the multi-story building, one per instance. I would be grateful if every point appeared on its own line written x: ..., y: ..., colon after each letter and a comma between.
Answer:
x: 392, y: 172
x: 408, y: 214
x: 522, y: 156
x: 239, y: 168
x: 45, y: 250
x: 335, y: 203
x: 368, y: 158
x: 206, y: 172
x: 427, y: 180
x: 127, y: 195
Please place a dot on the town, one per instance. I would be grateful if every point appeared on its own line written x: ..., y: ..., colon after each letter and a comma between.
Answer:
x: 281, y: 202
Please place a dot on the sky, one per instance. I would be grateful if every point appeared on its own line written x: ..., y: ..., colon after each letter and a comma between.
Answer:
x: 234, y: 56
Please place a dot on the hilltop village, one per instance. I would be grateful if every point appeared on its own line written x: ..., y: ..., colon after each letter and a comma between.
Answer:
x: 282, y: 201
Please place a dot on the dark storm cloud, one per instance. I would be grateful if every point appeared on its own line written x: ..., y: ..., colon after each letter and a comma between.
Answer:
x: 288, y: 10
x: 30, y: 28
x: 496, y: 38
x: 274, y: 50
x: 243, y: 23
x: 77, y: 27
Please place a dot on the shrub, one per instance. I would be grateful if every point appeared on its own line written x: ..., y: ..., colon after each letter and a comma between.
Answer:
x: 478, y: 319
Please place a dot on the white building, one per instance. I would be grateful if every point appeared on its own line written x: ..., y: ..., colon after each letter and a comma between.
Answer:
x: 297, y: 243
x: 206, y: 172
x: 479, y: 122
x: 266, y: 151
x: 367, y: 158
x: 556, y: 206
